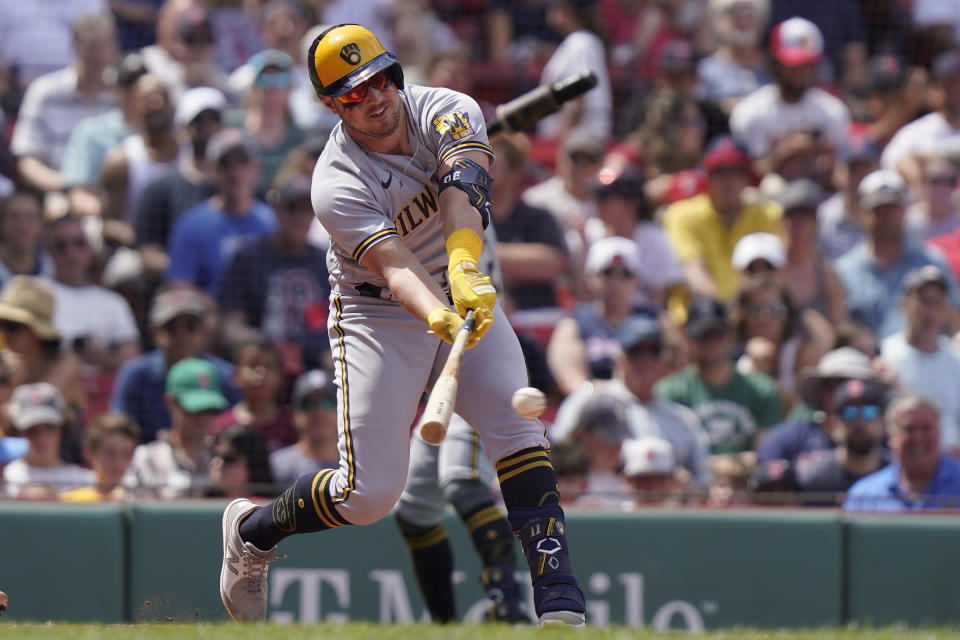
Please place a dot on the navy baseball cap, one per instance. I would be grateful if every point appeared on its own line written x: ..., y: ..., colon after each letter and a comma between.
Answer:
x: 946, y: 64
x: 637, y: 329
x: 885, y: 72
x: 705, y: 314
x: 724, y: 151
x: 605, y: 415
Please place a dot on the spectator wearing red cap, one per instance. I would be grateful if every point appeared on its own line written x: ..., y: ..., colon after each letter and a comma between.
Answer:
x: 704, y: 229
x: 788, y: 125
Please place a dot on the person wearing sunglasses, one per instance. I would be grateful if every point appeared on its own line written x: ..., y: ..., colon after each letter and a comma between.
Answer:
x: 240, y: 464
x: 922, y: 355
x: 403, y: 188
x: 266, y: 113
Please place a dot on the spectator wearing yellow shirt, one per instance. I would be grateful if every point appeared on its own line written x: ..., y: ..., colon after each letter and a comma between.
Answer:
x: 704, y: 229
x: 108, y: 446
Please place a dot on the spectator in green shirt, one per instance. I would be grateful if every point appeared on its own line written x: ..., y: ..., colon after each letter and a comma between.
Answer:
x: 733, y: 407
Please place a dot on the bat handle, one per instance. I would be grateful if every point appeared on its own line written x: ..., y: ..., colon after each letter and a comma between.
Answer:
x: 436, y: 416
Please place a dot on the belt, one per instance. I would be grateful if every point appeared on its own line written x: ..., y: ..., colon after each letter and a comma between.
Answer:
x: 371, y: 290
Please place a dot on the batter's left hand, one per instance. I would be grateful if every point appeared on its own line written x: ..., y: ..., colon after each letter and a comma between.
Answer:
x: 471, y: 289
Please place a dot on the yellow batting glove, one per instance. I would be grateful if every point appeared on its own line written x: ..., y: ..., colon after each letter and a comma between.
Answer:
x: 469, y: 288
x: 445, y: 323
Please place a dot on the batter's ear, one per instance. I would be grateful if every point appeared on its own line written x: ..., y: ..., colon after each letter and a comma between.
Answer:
x: 329, y: 103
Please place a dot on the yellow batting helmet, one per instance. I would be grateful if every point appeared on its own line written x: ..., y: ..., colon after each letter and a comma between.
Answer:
x: 344, y: 56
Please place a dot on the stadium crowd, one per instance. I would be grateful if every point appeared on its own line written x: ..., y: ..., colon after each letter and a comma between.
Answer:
x: 732, y: 265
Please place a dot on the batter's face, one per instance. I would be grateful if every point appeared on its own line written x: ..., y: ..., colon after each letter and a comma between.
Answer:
x: 375, y: 118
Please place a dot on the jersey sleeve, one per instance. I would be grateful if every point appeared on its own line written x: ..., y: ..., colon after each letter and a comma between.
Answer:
x: 350, y: 211
x: 453, y: 124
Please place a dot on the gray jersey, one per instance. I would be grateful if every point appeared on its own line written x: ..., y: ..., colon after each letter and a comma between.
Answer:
x: 362, y: 197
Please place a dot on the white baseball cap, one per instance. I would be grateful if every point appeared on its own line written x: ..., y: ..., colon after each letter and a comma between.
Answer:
x: 606, y: 252
x: 648, y: 455
x: 796, y: 41
x: 38, y: 403
x: 197, y: 100
x: 880, y: 187
x: 759, y: 246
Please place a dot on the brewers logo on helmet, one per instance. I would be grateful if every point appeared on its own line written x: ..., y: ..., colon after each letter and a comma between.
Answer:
x: 346, y: 55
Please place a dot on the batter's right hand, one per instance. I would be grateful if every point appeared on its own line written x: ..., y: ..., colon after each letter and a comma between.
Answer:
x: 445, y: 323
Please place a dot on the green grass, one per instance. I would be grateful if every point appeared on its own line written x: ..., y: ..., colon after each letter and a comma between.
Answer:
x: 366, y: 631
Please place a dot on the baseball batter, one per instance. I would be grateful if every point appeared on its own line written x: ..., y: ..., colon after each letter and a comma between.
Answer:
x: 403, y: 190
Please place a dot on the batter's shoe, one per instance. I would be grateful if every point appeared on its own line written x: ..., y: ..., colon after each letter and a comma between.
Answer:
x: 561, y: 605
x: 243, y: 575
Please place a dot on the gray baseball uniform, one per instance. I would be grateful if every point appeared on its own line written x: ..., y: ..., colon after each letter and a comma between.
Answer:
x: 384, y: 357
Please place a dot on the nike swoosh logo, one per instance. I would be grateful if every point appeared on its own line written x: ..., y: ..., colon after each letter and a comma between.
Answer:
x: 386, y: 184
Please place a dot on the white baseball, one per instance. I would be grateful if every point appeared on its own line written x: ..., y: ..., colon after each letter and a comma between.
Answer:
x: 528, y: 402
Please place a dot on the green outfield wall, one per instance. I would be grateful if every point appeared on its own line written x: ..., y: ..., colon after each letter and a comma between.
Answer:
x: 662, y: 569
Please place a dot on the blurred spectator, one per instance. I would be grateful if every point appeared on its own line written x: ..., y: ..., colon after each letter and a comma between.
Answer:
x: 668, y: 143
x: 108, y: 446
x: 908, y: 147
x: 94, y: 137
x: 640, y: 364
x: 788, y: 127
x: 418, y: 35
x: 177, y: 464
x: 26, y: 324
x: 600, y: 430
x: 518, y: 31
x: 266, y: 115
x: 895, y: 95
x: 920, y: 477
x: 651, y: 471
x: 204, y: 238
x: 737, y: 67
x: 733, y: 407
x: 732, y: 475
x: 278, y: 285
x: 21, y: 234
x: 145, y: 156
x: 581, y: 49
x: 39, y: 414
x: 57, y: 102
x: 258, y: 374
x: 183, y: 56
x: 175, y: 319
x: 935, y: 213
x: 283, y: 24
x: 622, y: 211
x: 35, y: 38
x: 93, y: 322
x: 857, y: 428
x: 198, y: 117
x: 795, y: 438
x: 843, y: 40
x: 136, y: 22
x: 840, y: 223
x: 873, y: 270
x: 11, y: 449
x: 924, y: 359
x: 938, y: 23
x: 240, y: 465
x: 314, y: 404
x: 584, y: 345
x: 568, y: 193
x: 777, y: 337
x: 372, y: 14
x: 572, y: 465
x: 704, y: 229
x: 530, y: 241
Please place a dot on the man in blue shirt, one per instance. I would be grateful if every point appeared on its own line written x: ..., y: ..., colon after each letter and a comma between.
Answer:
x: 872, y: 271
x: 205, y: 237
x: 921, y: 477
x: 176, y: 318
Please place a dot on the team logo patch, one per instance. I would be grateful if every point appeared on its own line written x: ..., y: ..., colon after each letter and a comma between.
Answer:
x: 351, y: 53
x: 456, y: 123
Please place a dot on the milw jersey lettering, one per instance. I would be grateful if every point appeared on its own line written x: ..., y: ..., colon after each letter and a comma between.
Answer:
x: 425, y: 202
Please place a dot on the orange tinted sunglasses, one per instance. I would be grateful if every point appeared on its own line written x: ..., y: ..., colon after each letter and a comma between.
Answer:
x: 378, y: 81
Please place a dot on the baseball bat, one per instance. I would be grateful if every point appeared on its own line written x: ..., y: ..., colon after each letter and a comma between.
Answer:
x: 436, y: 417
x: 525, y: 111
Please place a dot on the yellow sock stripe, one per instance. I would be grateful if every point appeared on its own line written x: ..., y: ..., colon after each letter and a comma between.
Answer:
x: 323, y: 476
x: 543, y: 560
x: 482, y: 517
x: 550, y: 524
x: 475, y: 454
x: 506, y: 463
x: 435, y: 536
x: 327, y: 502
x: 348, y: 438
x: 506, y: 476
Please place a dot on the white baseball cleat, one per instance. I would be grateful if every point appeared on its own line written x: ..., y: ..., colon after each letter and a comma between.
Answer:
x: 243, y: 575
x: 573, y: 619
